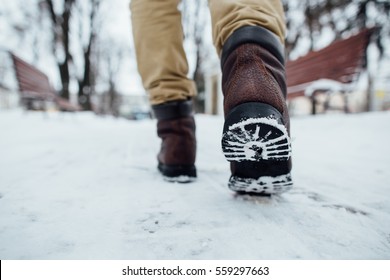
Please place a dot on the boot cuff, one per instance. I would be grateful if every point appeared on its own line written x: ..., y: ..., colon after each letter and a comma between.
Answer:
x: 256, y: 35
x: 173, y: 110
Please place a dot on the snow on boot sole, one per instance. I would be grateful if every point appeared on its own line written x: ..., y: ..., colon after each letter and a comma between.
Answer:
x: 178, y: 173
x: 265, y: 185
x: 257, y: 144
x: 180, y: 179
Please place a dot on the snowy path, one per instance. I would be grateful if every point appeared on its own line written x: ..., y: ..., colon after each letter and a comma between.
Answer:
x: 83, y: 187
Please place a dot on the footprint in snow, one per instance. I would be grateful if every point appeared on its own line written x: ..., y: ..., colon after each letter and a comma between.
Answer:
x: 154, y: 221
x: 346, y: 208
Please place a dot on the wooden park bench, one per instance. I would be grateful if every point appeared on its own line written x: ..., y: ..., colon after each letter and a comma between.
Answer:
x: 34, y: 88
x: 341, y: 62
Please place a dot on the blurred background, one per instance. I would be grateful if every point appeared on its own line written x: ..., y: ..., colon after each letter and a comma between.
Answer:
x: 76, y: 55
x: 85, y: 185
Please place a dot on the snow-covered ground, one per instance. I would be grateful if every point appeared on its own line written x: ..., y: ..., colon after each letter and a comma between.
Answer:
x: 86, y: 187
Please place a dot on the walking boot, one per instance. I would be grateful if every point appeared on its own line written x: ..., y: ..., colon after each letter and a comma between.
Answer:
x: 176, y: 128
x: 256, y: 133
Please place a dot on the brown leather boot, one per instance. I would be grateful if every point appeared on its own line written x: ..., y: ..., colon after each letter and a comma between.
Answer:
x: 256, y: 134
x: 176, y: 128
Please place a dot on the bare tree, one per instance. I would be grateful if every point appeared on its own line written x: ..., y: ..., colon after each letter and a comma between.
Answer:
x: 61, y: 39
x: 111, y: 55
x: 86, y: 14
x: 87, y: 80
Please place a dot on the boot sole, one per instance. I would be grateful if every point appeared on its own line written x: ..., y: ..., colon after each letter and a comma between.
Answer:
x: 257, y: 144
x: 178, y: 173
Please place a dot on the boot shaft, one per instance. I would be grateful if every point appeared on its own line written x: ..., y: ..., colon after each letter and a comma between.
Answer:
x: 253, y: 70
x: 176, y: 128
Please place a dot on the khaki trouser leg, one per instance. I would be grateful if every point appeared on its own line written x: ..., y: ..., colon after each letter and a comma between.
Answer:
x: 229, y: 15
x: 158, y: 39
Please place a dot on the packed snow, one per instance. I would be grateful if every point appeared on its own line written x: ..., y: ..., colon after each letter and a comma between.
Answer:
x: 79, y: 186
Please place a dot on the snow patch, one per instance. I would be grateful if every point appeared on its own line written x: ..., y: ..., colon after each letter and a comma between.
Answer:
x: 77, y: 186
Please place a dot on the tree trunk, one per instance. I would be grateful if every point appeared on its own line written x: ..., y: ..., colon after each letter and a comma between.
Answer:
x: 86, y: 83
x: 199, y: 81
x: 61, y: 30
x: 64, y: 73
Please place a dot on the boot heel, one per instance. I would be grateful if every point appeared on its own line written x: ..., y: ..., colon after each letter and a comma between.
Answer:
x: 178, y: 173
x: 256, y: 142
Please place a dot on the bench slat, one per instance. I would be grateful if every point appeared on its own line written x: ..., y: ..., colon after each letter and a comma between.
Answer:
x: 341, y: 61
x: 35, y: 85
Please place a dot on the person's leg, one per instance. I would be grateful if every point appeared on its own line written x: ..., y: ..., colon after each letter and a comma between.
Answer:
x: 248, y: 35
x: 229, y: 15
x: 162, y: 64
x: 158, y: 40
